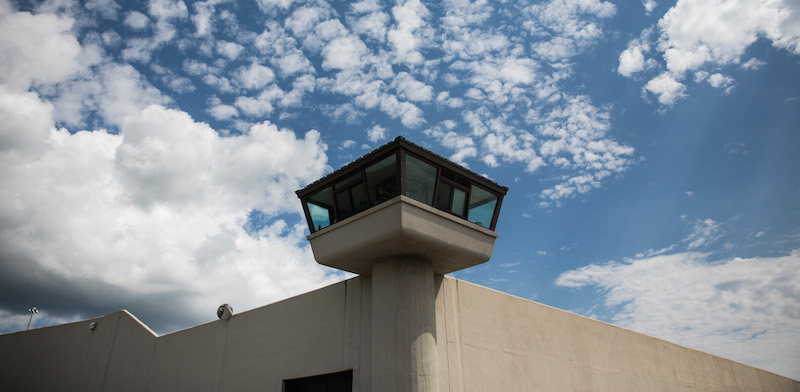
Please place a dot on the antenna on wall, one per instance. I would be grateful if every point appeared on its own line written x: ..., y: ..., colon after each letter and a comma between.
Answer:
x: 31, y: 311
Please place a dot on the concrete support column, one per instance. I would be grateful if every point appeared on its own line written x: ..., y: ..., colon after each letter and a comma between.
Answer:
x: 404, y: 355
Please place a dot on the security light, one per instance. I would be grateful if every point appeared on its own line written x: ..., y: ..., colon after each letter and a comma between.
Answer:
x: 224, y: 312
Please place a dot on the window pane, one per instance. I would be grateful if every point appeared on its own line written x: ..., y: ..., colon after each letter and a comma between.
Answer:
x: 382, y: 180
x: 443, y: 197
x: 481, y: 206
x: 343, y: 206
x: 420, y: 180
x: 320, y: 207
x: 346, y: 181
x: 459, y: 201
x: 359, y: 198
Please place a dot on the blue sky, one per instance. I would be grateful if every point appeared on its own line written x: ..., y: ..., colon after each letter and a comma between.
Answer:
x: 150, y: 153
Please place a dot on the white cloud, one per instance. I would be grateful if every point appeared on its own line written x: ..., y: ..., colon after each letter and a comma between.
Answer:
x: 26, y: 123
x: 261, y: 105
x: 231, y: 50
x: 666, y: 88
x: 167, y: 9
x: 376, y: 133
x: 365, y: 6
x: 272, y: 5
x: 204, y: 16
x: 282, y: 51
x: 499, y: 79
x: 373, y: 25
x: 696, y: 32
x: 743, y: 309
x: 304, y: 19
x: 37, y: 49
x: 112, y: 91
x: 412, y: 89
x: 344, y: 53
x: 136, y: 20
x: 221, y: 83
x: 330, y: 30
x: 444, y: 98
x: 704, y: 232
x: 301, y: 86
x: 409, y: 114
x: 649, y: 5
x: 631, y: 60
x: 255, y: 76
x: 106, y: 9
x: 753, y: 64
x: 254, y: 106
x: 405, y: 38
x: 463, y: 146
x: 175, y: 185
x: 719, y: 80
x: 347, y: 144
x: 698, y: 37
x: 221, y: 111
x: 571, y: 24
x: 181, y: 85
x: 292, y: 63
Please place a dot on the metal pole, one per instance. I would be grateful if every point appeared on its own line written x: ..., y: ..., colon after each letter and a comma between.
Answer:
x: 31, y: 311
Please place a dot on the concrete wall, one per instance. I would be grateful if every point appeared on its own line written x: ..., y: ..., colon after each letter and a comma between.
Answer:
x: 315, y: 333
x: 486, y: 341
x: 498, y: 342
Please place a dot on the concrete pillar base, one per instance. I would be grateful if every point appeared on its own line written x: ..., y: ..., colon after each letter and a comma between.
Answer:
x: 404, y: 356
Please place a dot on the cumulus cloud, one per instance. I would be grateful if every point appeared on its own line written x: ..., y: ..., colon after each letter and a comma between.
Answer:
x: 373, y: 25
x: 376, y: 134
x: 405, y: 37
x: 631, y: 60
x: 255, y: 76
x: 344, y: 53
x: 179, y: 187
x: 666, y: 88
x: 719, y: 80
x: 282, y: 50
x: 463, y: 146
x: 112, y: 91
x: 412, y: 89
x: 26, y: 123
x: 37, y: 49
x: 76, y: 206
x: 219, y: 110
x: 136, y: 20
x: 649, y: 5
x: 700, y: 36
x: 231, y: 50
x: 570, y: 25
x: 740, y: 308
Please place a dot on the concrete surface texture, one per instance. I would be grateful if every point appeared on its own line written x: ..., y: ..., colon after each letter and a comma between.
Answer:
x: 484, y: 341
x: 404, y: 354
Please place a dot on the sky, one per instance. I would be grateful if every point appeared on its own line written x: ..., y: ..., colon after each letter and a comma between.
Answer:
x: 150, y: 151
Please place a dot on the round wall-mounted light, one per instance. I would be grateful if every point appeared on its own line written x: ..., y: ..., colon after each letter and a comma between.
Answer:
x: 224, y: 312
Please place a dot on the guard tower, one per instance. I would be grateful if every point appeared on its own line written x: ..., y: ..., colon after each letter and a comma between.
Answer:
x: 399, y: 215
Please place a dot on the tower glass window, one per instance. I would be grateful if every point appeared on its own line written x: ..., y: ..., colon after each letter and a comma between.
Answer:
x: 382, y: 180
x: 481, y: 206
x: 401, y: 168
x: 320, y: 208
x: 420, y: 180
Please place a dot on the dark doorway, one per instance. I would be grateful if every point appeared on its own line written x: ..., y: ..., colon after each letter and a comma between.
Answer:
x: 333, y: 382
